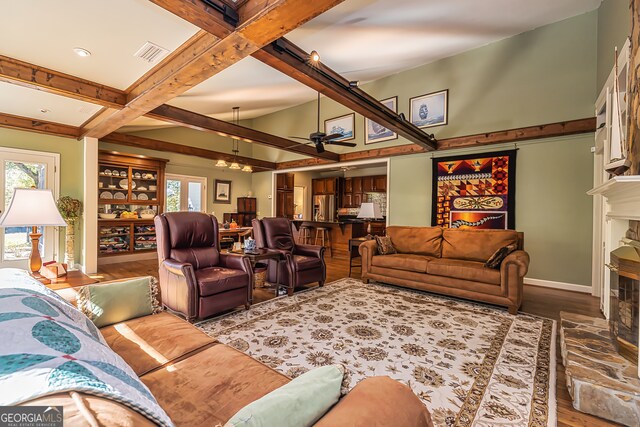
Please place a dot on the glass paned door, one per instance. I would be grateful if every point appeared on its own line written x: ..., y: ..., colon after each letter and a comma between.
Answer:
x: 24, y: 169
x: 186, y: 193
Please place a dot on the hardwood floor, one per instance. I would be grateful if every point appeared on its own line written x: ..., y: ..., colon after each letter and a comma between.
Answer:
x: 539, y: 301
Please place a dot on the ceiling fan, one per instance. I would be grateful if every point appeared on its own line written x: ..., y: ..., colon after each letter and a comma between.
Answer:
x: 319, y: 138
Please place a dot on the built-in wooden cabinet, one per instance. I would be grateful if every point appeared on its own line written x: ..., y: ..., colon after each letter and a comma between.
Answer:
x: 322, y: 186
x: 284, y: 195
x: 128, y: 187
x: 356, y: 187
x: 284, y: 181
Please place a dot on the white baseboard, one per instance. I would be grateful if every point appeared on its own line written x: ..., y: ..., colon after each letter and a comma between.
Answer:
x: 558, y: 285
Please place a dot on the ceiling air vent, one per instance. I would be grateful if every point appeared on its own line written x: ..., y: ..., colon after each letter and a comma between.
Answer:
x: 151, y: 52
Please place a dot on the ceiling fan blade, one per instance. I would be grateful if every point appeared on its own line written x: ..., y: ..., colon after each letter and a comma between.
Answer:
x: 302, y: 143
x: 343, y: 144
x: 299, y: 137
x: 332, y: 136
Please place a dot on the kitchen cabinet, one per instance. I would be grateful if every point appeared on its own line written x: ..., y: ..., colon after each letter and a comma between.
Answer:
x: 380, y: 183
x: 357, y: 200
x: 348, y: 185
x: 330, y: 186
x: 355, y: 189
x: 284, y: 181
x: 322, y: 186
x: 347, y: 200
x: 318, y: 186
x: 357, y: 184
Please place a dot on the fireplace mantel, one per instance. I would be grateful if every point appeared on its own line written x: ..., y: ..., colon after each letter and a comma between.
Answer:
x: 623, y: 196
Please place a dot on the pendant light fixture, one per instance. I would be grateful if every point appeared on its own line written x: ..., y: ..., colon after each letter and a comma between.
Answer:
x: 235, y: 148
x: 236, y: 119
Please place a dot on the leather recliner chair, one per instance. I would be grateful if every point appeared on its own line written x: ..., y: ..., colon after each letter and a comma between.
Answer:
x: 302, y: 263
x: 196, y: 279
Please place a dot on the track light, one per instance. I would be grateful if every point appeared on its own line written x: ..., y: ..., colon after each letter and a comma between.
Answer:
x: 354, y: 83
x: 314, y: 57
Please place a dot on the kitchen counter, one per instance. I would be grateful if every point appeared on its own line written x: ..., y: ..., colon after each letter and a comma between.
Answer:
x: 340, y: 231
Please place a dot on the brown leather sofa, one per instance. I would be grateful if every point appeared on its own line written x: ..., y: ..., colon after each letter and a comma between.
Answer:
x: 201, y: 382
x: 302, y: 263
x: 196, y: 279
x: 450, y: 262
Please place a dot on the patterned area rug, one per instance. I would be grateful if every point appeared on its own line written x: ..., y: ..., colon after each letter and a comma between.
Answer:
x: 471, y: 365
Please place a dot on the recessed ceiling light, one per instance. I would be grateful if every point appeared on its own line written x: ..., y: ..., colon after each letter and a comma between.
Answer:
x: 81, y: 52
x: 45, y: 110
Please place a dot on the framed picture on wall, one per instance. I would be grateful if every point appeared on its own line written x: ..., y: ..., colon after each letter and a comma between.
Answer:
x: 373, y: 132
x: 222, y: 191
x: 344, y: 125
x: 429, y: 110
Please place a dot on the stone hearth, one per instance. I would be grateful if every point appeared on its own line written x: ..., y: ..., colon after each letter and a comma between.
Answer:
x: 600, y: 381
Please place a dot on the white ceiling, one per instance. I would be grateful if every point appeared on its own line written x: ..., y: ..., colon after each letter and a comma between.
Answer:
x: 361, y: 39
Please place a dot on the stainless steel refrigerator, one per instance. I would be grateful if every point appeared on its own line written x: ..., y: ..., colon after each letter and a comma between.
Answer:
x: 324, y: 208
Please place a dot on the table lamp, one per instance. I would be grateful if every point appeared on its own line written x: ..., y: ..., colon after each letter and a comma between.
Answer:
x: 32, y: 207
x: 369, y: 211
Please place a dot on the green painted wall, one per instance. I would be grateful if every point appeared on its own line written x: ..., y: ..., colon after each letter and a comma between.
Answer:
x: 71, y: 172
x: 542, y: 76
x: 195, y: 166
x: 552, y: 207
x: 614, y: 26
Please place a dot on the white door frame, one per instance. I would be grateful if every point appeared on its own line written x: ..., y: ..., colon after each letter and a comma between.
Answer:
x: 189, y: 178
x: 53, y: 183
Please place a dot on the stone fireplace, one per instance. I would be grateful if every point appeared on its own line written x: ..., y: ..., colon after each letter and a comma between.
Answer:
x: 625, y: 298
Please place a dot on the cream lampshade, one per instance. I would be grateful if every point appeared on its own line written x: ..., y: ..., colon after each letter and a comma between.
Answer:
x: 31, y: 207
x: 369, y: 211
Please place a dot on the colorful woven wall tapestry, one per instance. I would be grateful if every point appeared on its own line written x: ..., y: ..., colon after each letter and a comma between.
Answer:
x: 476, y: 190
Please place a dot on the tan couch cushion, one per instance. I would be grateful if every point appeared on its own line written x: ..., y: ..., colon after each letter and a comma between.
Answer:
x: 465, y: 270
x: 209, y: 387
x: 81, y: 409
x: 416, y: 240
x: 407, y: 262
x: 475, y: 245
x: 146, y: 343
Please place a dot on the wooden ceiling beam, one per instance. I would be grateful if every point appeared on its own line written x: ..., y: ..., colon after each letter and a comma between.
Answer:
x: 201, y: 15
x: 549, y: 130
x: 291, y: 60
x: 201, y: 122
x: 157, y: 145
x: 34, y: 77
x: 40, y: 126
x: 205, y: 55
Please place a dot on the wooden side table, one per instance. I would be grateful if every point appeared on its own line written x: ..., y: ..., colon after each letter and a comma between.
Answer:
x: 262, y: 255
x: 72, y: 279
x: 354, y: 244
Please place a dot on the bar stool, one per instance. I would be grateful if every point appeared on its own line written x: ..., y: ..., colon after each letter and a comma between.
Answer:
x: 323, y: 233
x: 304, y: 235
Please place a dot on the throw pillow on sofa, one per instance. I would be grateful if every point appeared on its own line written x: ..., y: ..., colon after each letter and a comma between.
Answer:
x: 301, y: 402
x: 109, y: 303
x: 499, y: 256
x: 385, y: 247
